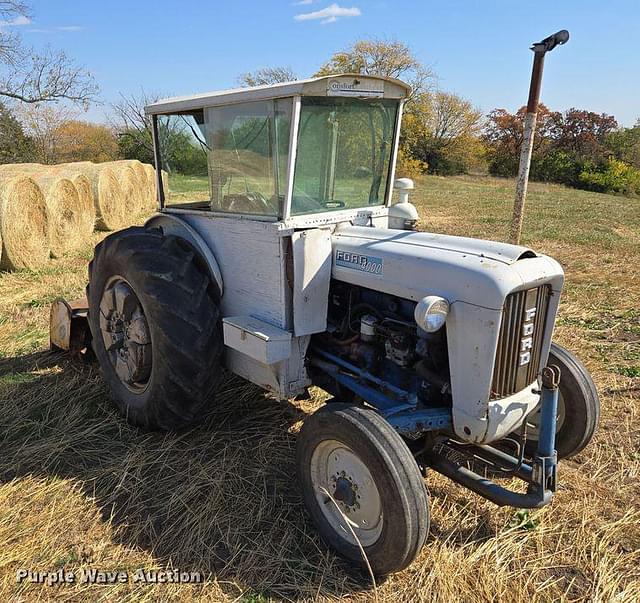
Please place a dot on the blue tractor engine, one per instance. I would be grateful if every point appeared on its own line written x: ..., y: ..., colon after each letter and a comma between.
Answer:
x: 377, y: 332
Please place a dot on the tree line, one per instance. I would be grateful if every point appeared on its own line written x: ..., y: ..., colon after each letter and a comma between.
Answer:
x: 41, y: 97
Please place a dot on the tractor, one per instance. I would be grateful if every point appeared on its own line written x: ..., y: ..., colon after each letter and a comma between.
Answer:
x: 282, y: 256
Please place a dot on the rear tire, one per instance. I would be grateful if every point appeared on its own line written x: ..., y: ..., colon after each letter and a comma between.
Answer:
x: 365, y: 465
x: 578, y: 406
x: 155, y: 326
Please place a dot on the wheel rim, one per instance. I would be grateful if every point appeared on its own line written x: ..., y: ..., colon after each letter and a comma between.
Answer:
x: 337, y: 469
x: 125, y: 334
x: 533, y: 422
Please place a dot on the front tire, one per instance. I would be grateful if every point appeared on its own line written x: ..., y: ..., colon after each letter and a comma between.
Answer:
x: 356, y: 456
x: 578, y: 406
x: 155, y: 326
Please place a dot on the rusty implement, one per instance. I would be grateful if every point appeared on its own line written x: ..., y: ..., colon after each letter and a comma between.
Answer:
x: 69, y: 327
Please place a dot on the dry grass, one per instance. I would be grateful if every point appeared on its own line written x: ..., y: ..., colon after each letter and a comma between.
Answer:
x: 81, y: 488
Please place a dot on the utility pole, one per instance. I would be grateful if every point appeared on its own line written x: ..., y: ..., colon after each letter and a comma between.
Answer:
x: 539, y: 50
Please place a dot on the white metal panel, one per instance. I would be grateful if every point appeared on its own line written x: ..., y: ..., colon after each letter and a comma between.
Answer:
x: 311, y: 278
x: 251, y: 261
x: 257, y: 339
x: 393, y: 88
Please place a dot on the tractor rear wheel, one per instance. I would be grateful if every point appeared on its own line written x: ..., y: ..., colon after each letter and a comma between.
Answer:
x: 362, y: 487
x: 155, y: 325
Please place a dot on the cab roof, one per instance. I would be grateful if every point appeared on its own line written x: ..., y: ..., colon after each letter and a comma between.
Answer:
x: 345, y: 85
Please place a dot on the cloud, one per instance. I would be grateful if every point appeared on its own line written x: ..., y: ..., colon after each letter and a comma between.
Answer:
x: 330, y: 14
x: 300, y: 2
x: 21, y: 20
x: 49, y: 30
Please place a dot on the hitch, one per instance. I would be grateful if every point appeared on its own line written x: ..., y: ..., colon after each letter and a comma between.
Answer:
x: 540, y: 474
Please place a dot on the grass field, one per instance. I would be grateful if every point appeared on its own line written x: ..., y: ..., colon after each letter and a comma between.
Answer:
x: 80, y: 488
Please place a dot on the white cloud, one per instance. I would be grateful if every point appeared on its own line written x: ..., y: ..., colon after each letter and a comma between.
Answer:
x: 70, y: 28
x: 330, y: 14
x: 300, y: 2
x: 21, y: 20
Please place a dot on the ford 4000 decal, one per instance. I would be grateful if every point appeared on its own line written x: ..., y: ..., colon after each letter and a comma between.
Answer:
x: 357, y: 261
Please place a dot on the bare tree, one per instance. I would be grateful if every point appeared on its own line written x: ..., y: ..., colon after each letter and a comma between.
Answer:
x: 32, y: 77
x: 130, y: 122
x: 134, y: 129
x: 43, y: 124
x: 267, y: 75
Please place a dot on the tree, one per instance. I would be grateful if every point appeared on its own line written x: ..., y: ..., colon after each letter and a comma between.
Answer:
x: 503, y: 133
x: 441, y: 129
x: 266, y: 76
x: 624, y: 144
x: 43, y: 123
x: 133, y: 127
x: 582, y: 133
x: 84, y: 141
x: 32, y: 77
x: 381, y: 57
x: 15, y: 145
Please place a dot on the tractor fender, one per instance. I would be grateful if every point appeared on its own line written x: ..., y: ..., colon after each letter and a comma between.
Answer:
x: 174, y: 225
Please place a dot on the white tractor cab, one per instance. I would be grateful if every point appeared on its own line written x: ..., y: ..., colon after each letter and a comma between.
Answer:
x: 277, y: 253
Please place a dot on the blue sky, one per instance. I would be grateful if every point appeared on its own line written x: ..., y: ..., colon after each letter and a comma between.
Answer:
x: 477, y: 48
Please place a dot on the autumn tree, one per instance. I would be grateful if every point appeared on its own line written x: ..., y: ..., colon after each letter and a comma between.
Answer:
x: 266, y: 76
x: 84, y: 141
x: 37, y: 77
x: 441, y: 129
x: 582, y: 133
x: 503, y: 133
x: 381, y: 57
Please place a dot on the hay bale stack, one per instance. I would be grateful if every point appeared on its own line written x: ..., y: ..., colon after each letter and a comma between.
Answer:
x: 70, y: 225
x: 24, y: 228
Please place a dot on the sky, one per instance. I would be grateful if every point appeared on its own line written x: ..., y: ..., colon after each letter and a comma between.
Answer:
x: 478, y: 49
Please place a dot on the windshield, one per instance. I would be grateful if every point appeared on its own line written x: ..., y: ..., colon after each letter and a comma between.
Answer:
x: 344, y: 153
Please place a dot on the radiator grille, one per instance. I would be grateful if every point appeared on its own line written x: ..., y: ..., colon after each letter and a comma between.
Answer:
x: 520, y: 341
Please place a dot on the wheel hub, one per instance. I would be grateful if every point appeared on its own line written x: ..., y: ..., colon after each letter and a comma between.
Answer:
x: 345, y: 492
x: 125, y: 334
x: 336, y: 469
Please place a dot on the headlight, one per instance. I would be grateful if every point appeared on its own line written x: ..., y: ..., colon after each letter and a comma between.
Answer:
x: 431, y: 313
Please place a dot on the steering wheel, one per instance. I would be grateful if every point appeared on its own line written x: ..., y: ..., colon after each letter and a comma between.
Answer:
x: 253, y: 202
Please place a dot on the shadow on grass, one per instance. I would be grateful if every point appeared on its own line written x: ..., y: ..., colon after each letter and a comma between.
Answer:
x: 221, y: 499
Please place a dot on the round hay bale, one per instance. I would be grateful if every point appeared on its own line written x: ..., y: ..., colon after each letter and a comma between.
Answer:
x: 69, y: 223
x: 108, y: 197
x: 24, y: 228
x: 151, y: 185
x: 84, y: 188
x: 130, y: 187
x: 142, y: 182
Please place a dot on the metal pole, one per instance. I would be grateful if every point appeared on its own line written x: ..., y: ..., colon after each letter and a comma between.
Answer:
x: 539, y: 49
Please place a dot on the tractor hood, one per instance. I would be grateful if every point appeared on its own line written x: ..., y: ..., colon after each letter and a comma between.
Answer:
x: 415, y: 264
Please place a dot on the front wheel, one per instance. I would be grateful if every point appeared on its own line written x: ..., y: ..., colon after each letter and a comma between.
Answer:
x: 362, y: 487
x: 578, y: 406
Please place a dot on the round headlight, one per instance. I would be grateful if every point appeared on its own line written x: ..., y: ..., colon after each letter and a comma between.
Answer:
x: 431, y: 313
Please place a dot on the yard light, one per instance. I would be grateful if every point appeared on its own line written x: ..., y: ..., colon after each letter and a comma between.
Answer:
x: 539, y: 50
